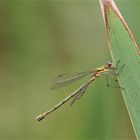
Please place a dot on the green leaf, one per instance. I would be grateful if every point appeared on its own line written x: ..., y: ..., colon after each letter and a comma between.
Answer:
x: 123, y: 47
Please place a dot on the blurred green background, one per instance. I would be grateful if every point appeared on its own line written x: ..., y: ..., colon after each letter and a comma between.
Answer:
x: 38, y: 41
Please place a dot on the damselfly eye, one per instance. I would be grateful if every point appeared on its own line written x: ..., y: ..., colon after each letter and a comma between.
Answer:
x: 109, y: 64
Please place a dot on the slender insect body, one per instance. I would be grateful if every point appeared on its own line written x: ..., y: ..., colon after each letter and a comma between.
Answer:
x: 64, y: 80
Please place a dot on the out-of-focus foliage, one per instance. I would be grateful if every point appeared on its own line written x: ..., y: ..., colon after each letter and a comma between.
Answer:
x: 38, y: 41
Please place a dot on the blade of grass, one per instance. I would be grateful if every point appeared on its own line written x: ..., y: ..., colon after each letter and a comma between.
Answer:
x: 123, y: 47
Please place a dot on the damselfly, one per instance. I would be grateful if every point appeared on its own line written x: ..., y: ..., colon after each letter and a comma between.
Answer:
x: 108, y: 69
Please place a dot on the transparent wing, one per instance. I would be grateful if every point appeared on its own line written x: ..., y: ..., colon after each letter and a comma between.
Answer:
x: 81, y: 92
x: 78, y: 95
x: 65, y: 79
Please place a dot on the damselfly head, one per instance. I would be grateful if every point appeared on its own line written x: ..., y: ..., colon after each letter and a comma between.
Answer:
x: 109, y: 65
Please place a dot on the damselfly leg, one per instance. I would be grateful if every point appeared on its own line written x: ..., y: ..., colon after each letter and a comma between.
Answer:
x: 113, y: 73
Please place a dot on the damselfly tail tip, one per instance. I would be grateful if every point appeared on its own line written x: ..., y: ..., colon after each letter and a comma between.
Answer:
x: 40, y: 117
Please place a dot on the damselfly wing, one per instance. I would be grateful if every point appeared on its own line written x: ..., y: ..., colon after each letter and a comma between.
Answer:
x: 66, y: 79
